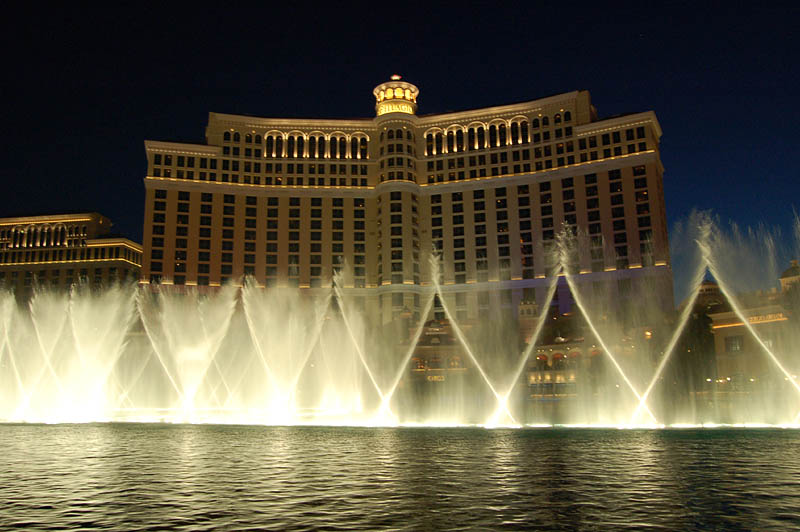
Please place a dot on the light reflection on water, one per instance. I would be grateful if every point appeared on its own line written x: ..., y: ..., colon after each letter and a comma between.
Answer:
x: 185, y: 477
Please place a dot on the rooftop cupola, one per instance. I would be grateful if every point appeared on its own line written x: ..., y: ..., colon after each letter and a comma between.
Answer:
x: 395, y: 96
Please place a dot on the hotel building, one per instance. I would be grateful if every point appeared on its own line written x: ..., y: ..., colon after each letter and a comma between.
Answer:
x: 63, y: 249
x: 289, y: 201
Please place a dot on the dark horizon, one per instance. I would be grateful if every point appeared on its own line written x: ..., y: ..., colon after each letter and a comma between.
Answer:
x: 89, y: 89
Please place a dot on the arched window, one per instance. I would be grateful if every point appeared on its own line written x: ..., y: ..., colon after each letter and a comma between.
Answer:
x: 290, y: 147
x: 557, y: 118
x: 429, y: 144
x: 226, y: 136
x: 438, y: 143
x: 381, y: 139
x: 409, y: 135
x: 545, y: 121
x: 535, y: 123
x: 502, y: 140
x: 258, y: 139
x: 567, y: 116
x: 514, y: 133
x: 481, y: 137
x: 312, y: 147
x: 342, y: 148
x: 321, y: 147
x: 459, y: 140
x: 492, y: 136
x: 363, y: 148
x: 390, y: 134
x: 354, y: 148
x: 524, y: 131
x: 399, y: 134
x: 237, y: 137
x: 248, y: 138
x: 278, y: 146
x: 471, y: 139
x: 269, y: 151
x: 450, y: 142
x: 301, y: 146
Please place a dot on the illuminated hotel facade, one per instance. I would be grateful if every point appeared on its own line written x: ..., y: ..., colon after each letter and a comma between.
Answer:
x: 289, y: 201
x: 63, y: 249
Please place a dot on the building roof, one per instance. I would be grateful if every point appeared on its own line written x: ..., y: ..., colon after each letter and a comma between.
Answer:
x: 51, y: 218
x: 791, y: 271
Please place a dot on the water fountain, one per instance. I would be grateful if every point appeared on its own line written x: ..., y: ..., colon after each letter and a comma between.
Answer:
x: 249, y: 354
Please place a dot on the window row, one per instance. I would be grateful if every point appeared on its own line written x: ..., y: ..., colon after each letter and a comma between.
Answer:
x: 397, y: 134
x: 480, y: 136
x: 313, y: 145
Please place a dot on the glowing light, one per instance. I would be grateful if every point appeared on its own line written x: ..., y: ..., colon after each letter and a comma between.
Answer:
x: 387, y: 107
x: 766, y: 318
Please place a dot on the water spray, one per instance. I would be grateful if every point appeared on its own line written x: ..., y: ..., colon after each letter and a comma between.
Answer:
x: 579, y: 301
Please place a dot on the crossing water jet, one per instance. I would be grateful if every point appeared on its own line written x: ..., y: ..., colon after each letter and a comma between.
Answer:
x: 523, y: 360
x: 402, y: 368
x: 460, y: 335
x: 563, y: 248
x: 702, y: 268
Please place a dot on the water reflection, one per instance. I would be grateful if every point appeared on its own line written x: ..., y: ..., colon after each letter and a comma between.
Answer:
x: 238, y: 477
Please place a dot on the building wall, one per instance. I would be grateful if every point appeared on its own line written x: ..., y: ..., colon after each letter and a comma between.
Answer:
x: 289, y: 201
x: 739, y: 355
x: 61, y: 250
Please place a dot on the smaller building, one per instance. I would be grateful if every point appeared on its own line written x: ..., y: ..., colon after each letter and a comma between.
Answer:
x: 62, y: 249
x: 771, y: 314
x: 790, y: 277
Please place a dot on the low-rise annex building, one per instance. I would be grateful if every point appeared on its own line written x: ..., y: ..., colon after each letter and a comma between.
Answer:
x: 63, y: 249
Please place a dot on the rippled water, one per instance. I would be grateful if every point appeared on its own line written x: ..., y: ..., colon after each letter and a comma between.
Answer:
x: 185, y: 477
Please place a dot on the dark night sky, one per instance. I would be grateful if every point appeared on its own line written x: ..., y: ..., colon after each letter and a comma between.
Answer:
x: 84, y: 90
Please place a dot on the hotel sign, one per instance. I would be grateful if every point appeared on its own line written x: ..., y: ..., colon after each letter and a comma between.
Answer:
x: 777, y: 316
x: 753, y: 320
x: 394, y: 107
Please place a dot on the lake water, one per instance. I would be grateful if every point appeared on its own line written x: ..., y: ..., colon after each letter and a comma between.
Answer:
x: 201, y: 477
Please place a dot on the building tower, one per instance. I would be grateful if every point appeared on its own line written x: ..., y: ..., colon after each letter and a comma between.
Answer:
x: 397, y: 194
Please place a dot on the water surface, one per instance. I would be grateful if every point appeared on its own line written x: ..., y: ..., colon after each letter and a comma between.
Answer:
x: 202, y: 477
